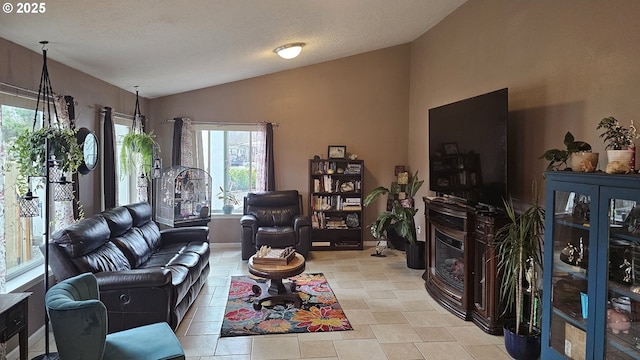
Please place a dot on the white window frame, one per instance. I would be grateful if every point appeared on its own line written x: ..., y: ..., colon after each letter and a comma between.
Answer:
x: 202, y: 161
x: 18, y: 277
x: 119, y: 120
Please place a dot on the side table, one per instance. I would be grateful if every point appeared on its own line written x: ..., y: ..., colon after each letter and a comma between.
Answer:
x: 279, y: 293
x: 14, y: 319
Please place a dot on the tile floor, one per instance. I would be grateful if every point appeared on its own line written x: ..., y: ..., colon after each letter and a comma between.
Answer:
x: 393, y: 316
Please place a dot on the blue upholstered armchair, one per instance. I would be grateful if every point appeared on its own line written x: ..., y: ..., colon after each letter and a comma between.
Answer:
x: 79, y: 323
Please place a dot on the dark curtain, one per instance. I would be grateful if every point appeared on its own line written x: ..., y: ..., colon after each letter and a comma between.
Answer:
x: 109, y: 162
x: 176, y: 153
x: 269, y: 160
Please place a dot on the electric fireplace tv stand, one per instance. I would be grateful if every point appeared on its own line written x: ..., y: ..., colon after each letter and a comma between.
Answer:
x: 461, y: 265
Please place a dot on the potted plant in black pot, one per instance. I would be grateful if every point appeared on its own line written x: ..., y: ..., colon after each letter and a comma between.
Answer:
x: 400, y: 219
x: 519, y: 259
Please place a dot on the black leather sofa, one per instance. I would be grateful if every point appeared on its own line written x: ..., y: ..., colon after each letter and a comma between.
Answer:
x: 275, y: 219
x: 145, y: 274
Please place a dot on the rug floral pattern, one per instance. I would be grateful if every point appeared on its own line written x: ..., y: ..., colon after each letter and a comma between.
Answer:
x: 320, y: 310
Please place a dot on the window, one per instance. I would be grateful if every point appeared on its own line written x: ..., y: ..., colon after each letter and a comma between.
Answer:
x: 23, y: 236
x: 126, y: 185
x: 233, y: 155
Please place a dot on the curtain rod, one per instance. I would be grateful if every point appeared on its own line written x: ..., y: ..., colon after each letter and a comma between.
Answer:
x: 117, y: 114
x: 225, y: 123
x: 21, y: 92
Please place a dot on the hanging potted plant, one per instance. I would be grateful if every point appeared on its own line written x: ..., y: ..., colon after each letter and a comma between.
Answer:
x: 28, y: 152
x: 519, y: 258
x: 400, y: 219
x: 137, y: 150
x: 619, y: 141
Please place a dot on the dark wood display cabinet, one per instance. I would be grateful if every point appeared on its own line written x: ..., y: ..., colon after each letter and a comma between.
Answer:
x: 335, y: 204
x: 461, y: 265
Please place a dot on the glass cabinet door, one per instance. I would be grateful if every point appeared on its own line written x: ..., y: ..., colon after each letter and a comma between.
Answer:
x: 622, y: 314
x: 570, y: 270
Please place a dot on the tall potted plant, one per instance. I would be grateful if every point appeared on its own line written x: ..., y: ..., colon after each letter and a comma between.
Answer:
x: 519, y: 258
x: 401, y: 220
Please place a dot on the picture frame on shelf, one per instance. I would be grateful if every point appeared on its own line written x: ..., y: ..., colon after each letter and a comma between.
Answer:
x: 337, y: 152
x: 450, y: 148
x: 398, y: 169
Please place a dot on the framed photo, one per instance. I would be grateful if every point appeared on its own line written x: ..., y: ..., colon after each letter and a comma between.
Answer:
x: 398, y: 169
x: 337, y: 152
x: 450, y: 148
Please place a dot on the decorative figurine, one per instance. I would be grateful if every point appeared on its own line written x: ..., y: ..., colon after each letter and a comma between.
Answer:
x: 618, y: 321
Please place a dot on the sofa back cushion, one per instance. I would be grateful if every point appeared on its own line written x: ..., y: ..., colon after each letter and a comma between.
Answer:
x: 141, y: 214
x: 87, y: 245
x: 274, y: 208
x: 119, y: 220
x: 82, y: 237
x: 106, y: 258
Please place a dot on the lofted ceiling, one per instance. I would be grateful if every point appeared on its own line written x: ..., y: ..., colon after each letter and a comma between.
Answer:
x: 167, y: 47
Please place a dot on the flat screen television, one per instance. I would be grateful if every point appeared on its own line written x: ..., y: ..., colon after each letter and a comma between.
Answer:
x: 468, y: 149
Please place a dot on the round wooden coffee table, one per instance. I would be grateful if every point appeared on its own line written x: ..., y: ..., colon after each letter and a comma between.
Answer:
x: 277, y: 293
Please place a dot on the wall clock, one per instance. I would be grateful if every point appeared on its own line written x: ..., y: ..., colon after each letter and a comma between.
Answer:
x: 88, y: 142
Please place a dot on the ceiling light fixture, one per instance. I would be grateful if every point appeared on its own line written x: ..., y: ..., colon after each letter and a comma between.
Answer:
x: 289, y: 51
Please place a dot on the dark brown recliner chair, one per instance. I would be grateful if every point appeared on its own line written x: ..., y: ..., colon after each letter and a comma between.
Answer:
x: 275, y: 219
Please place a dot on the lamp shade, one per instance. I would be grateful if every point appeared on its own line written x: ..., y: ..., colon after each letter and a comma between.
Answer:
x: 289, y: 51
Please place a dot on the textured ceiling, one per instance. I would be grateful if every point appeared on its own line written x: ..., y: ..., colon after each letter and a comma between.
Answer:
x: 167, y: 47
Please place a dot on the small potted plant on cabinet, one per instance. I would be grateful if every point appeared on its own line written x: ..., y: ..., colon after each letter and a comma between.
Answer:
x: 618, y: 139
x: 401, y: 220
x: 519, y: 258
x: 577, y: 151
x: 229, y: 199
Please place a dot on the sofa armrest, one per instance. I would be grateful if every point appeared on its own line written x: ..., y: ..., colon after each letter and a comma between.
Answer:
x: 185, y: 234
x: 248, y: 229
x: 302, y: 228
x: 130, y: 279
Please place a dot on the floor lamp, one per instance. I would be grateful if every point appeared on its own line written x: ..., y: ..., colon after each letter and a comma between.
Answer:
x: 53, y: 176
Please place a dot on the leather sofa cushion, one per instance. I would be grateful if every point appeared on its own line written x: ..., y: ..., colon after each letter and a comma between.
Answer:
x: 119, y: 220
x: 106, y: 258
x: 134, y: 246
x: 276, y: 237
x: 151, y: 234
x: 273, y: 209
x: 140, y: 212
x: 82, y: 237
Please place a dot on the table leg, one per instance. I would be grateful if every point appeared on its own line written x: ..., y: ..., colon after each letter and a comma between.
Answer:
x: 23, y: 340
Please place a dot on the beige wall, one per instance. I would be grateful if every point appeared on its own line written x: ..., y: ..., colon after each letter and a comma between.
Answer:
x: 567, y: 65
x: 360, y: 101
x: 22, y: 67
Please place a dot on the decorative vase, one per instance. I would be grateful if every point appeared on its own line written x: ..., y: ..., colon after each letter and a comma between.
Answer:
x: 624, y: 156
x: 584, y: 161
x: 416, y: 255
x: 522, y: 347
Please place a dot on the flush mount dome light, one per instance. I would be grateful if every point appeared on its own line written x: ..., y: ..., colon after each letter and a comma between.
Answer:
x: 289, y: 51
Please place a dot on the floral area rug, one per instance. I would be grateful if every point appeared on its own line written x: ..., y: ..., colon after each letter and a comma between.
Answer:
x: 319, y: 311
